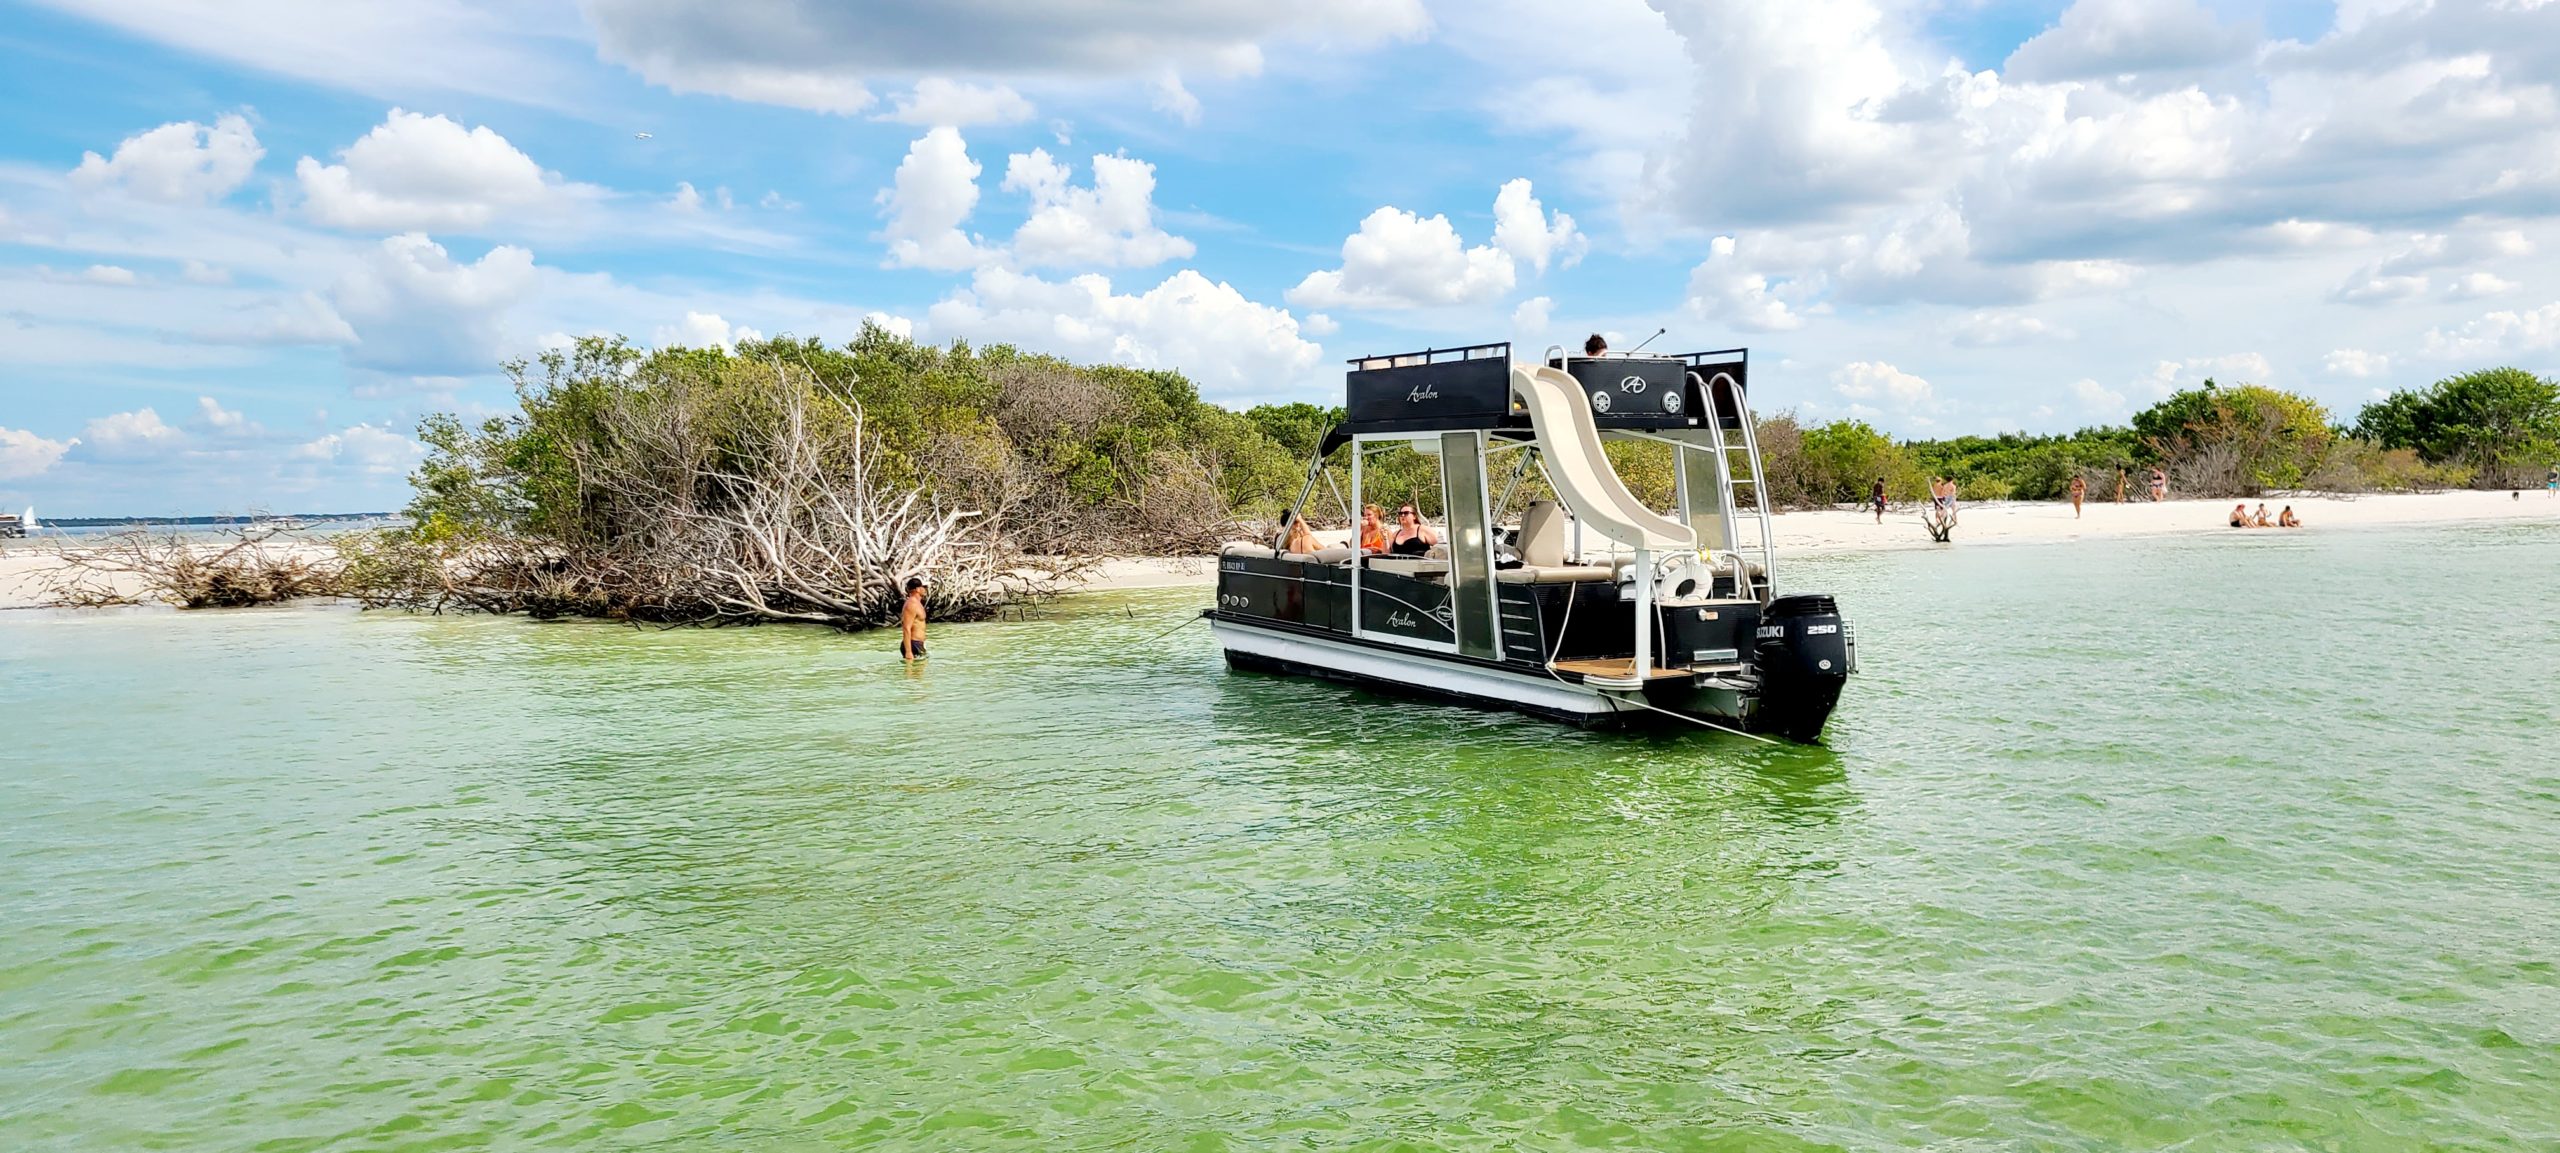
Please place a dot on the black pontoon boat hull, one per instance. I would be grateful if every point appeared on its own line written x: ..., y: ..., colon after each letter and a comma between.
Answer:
x: 1676, y: 703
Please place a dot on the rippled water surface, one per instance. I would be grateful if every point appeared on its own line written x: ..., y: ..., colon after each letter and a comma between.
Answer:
x: 2200, y: 843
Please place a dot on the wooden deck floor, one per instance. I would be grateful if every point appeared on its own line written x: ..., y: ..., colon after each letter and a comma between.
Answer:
x: 1620, y: 668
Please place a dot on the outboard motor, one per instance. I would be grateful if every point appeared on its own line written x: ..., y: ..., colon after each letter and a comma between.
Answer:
x: 1803, y: 658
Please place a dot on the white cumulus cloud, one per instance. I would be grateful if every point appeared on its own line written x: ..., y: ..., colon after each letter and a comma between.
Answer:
x: 1400, y: 260
x: 131, y: 436
x: 429, y: 173
x: 2497, y: 334
x: 414, y: 309
x: 1725, y: 290
x: 370, y: 449
x: 1874, y: 380
x: 1229, y: 345
x: 1110, y: 225
x: 223, y: 422
x: 177, y: 163
x: 931, y: 196
x: 2355, y: 362
x: 1531, y: 317
x: 24, y: 454
x: 1522, y: 228
x: 705, y: 330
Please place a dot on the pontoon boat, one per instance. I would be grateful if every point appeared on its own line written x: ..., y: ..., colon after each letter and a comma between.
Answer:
x: 1587, y: 606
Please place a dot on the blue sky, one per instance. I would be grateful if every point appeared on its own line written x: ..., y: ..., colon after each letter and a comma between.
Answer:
x: 244, y: 246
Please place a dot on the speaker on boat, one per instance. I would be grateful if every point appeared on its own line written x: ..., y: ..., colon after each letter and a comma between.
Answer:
x: 1802, y: 657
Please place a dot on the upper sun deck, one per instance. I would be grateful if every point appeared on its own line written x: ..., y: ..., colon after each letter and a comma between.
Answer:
x: 1470, y: 387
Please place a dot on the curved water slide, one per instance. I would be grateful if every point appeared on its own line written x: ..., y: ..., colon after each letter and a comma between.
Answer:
x: 1570, y: 444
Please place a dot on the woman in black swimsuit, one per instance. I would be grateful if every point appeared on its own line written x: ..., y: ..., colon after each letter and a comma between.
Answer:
x: 1411, y: 537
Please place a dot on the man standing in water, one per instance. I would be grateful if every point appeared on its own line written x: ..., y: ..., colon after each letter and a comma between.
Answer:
x: 911, y: 622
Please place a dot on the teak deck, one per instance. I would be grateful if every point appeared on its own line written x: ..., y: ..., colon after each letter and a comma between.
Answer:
x: 1620, y: 668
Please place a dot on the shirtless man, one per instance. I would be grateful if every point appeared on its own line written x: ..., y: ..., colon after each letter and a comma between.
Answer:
x: 2079, y: 492
x: 911, y: 622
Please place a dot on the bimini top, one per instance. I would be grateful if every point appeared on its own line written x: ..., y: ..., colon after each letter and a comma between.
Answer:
x: 1470, y: 387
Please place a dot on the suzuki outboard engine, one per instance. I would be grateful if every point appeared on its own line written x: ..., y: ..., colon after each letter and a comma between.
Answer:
x: 1803, y: 657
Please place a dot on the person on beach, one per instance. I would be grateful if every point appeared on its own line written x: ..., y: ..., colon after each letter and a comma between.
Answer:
x: 1596, y: 346
x: 1942, y: 493
x: 2120, y: 478
x: 1298, y: 539
x: 2286, y: 519
x: 2260, y: 520
x: 2079, y: 492
x: 2551, y: 482
x: 1876, y: 498
x: 911, y: 622
x: 2159, y: 485
x: 1412, y: 537
x: 2240, y: 515
x: 1373, y: 529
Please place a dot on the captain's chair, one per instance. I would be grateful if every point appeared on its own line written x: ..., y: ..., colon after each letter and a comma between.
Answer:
x: 1542, y: 542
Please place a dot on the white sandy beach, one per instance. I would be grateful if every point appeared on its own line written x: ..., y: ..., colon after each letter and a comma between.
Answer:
x: 24, y: 565
x: 1836, y: 531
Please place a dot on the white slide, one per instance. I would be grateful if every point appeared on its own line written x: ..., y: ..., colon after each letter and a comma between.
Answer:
x: 1561, y: 414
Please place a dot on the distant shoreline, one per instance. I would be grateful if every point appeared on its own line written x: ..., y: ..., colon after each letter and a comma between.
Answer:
x: 1823, y: 532
x: 205, y: 521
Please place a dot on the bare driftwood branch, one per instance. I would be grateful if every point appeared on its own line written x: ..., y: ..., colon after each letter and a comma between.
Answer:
x: 234, y: 569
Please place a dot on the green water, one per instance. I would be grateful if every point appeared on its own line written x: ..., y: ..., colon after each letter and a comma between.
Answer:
x: 2196, y: 843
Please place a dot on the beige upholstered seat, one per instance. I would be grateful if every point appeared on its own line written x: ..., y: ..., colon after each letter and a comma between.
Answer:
x: 1542, y: 534
x: 1542, y: 559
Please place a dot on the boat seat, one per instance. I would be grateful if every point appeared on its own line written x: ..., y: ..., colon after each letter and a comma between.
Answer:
x: 1338, y: 555
x: 1554, y: 574
x: 1541, y: 535
x: 1412, y: 566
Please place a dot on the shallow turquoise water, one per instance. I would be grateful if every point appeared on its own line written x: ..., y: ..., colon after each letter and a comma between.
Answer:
x: 2196, y: 843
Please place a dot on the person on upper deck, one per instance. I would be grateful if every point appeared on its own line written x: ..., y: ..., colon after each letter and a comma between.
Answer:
x: 1598, y: 345
x: 1373, y: 529
x: 1412, y: 537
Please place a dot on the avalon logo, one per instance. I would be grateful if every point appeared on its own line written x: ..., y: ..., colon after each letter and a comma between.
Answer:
x: 1397, y: 620
x: 1634, y: 384
x: 1422, y: 393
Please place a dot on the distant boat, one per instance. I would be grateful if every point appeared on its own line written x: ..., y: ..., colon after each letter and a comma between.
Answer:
x: 18, y: 526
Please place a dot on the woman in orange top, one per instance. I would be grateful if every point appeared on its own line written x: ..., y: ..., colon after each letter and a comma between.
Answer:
x: 1373, y: 530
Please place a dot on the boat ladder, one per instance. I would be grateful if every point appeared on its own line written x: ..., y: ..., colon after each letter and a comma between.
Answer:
x: 1738, y: 477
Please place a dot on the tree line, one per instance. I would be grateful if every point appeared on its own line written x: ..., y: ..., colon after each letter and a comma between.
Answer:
x: 792, y: 480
